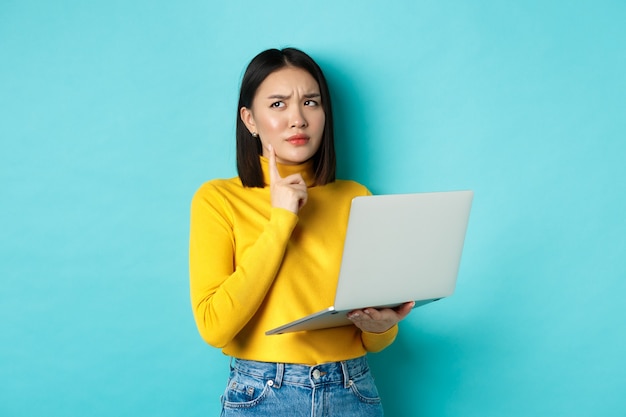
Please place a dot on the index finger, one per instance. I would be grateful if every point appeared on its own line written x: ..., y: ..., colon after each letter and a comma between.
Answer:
x: 274, y: 174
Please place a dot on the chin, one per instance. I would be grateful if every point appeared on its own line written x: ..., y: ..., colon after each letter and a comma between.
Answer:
x: 297, y: 157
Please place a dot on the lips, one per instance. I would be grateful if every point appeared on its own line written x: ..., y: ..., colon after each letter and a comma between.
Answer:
x: 298, y: 140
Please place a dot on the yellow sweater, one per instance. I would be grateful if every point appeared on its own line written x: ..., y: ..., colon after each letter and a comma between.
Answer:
x: 254, y: 267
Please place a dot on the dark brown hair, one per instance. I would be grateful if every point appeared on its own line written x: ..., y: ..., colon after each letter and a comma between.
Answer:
x: 249, y: 148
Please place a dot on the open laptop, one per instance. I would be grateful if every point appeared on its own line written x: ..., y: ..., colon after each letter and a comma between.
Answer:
x: 398, y: 248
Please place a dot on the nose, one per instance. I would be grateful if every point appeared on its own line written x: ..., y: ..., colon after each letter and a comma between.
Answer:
x: 298, y: 119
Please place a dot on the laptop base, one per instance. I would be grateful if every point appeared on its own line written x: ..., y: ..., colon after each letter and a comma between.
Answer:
x: 328, y: 318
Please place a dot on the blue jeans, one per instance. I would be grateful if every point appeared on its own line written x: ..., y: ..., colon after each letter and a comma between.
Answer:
x: 343, y: 389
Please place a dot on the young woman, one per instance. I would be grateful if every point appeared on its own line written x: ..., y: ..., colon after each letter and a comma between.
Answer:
x: 265, y: 249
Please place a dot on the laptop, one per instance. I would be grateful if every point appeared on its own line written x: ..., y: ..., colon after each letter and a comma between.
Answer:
x: 398, y: 248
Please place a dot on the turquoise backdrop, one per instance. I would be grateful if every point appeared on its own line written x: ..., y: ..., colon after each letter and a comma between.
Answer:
x: 112, y: 113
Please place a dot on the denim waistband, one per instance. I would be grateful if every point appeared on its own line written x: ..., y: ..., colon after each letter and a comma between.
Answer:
x: 279, y: 373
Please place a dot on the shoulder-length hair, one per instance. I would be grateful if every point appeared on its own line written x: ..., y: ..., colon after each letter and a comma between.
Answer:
x: 249, y: 148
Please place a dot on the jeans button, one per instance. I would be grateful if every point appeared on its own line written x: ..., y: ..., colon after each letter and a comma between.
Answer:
x: 316, y: 374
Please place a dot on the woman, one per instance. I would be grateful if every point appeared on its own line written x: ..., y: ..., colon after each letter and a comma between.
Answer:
x: 265, y: 249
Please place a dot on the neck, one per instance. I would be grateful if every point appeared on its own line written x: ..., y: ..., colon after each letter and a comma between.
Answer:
x: 305, y: 169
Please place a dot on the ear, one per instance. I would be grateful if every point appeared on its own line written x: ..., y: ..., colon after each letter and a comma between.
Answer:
x: 248, y: 119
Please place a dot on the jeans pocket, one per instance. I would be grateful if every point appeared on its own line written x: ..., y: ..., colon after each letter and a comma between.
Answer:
x: 244, y: 391
x: 365, y: 389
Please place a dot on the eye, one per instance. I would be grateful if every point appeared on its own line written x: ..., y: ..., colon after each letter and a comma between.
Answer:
x: 277, y: 104
x: 311, y: 103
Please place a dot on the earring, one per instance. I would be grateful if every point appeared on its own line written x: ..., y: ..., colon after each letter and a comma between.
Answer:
x: 255, y: 135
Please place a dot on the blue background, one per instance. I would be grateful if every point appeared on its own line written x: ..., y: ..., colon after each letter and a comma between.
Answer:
x: 113, y: 112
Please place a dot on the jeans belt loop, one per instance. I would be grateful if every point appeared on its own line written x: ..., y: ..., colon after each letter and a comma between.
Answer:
x: 280, y: 372
x: 346, y: 374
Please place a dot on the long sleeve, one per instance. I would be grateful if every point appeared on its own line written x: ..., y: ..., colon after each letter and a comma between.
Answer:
x: 253, y: 267
x: 226, y: 292
x: 375, y: 342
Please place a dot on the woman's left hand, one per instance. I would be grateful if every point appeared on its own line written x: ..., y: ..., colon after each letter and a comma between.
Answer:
x: 379, y: 321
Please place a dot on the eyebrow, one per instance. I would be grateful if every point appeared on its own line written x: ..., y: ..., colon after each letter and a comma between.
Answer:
x: 283, y: 97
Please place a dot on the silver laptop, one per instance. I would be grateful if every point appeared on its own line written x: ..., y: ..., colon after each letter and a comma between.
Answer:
x: 398, y: 248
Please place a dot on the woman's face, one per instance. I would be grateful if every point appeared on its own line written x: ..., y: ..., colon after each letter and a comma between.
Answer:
x: 287, y: 113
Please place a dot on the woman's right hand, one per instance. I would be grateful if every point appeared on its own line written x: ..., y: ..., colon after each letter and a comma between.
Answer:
x: 289, y: 193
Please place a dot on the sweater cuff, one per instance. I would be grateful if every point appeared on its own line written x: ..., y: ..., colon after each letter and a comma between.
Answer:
x: 375, y: 342
x: 283, y: 219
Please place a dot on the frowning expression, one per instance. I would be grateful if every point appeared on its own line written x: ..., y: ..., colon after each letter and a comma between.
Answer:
x: 287, y: 113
